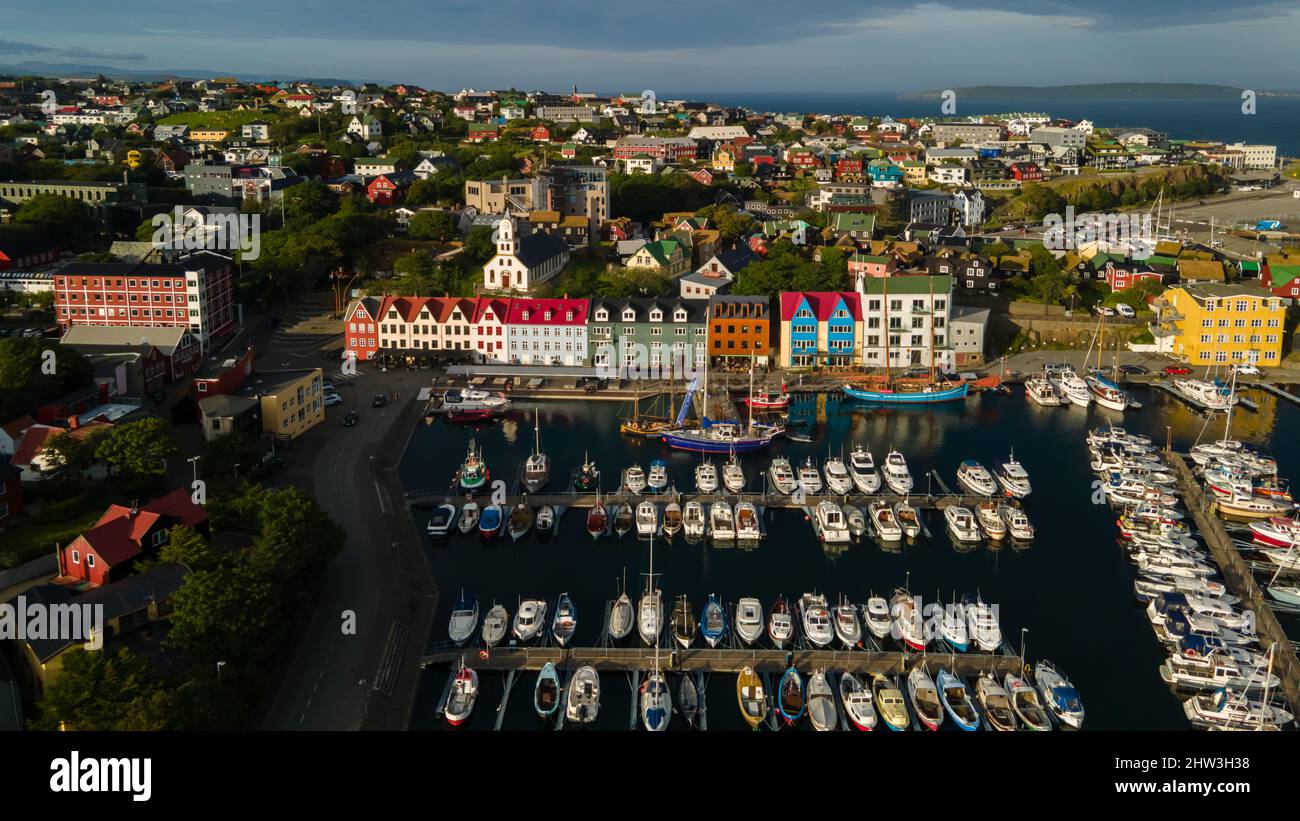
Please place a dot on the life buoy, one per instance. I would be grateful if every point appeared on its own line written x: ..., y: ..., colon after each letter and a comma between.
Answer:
x: 483, y: 654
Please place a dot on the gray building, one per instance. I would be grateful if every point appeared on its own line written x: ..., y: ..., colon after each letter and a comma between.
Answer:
x: 966, y: 132
x: 969, y: 328
x: 1054, y: 136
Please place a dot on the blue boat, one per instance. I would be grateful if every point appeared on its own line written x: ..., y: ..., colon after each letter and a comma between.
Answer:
x: 721, y: 437
x: 790, y: 701
x: 713, y: 621
x: 925, y: 396
x: 957, y: 701
x: 489, y: 521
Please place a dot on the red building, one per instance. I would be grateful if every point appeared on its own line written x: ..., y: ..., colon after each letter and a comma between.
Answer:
x: 362, y: 336
x: 1121, y: 278
x: 196, y: 292
x: 222, y: 375
x: 1026, y: 171
x: 849, y: 167
x: 1281, y: 277
x: 541, y: 134
x: 107, y: 551
x: 389, y: 189
x: 21, y: 253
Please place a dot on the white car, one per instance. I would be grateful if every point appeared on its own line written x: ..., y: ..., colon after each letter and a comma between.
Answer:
x: 1246, y: 369
x: 1104, y: 310
x: 333, y: 399
x: 1125, y: 310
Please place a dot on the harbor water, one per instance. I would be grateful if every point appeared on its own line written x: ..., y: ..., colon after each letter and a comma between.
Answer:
x: 1072, y: 588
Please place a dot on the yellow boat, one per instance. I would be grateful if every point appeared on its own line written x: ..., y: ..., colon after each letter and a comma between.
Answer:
x: 750, y: 696
x: 889, y: 702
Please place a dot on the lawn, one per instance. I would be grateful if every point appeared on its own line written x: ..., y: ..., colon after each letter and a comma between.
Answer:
x: 228, y: 120
x: 29, y: 540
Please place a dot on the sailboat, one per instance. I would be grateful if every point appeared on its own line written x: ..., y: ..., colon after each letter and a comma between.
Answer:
x: 656, y: 701
x: 620, y: 614
x: 909, y: 394
x: 718, y: 437
x: 650, y: 427
x: 1104, y: 391
x: 537, y: 469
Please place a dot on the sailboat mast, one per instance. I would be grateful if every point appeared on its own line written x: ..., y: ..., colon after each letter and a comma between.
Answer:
x: 884, y: 309
x: 751, y: 392
x: 931, y: 332
x: 537, y: 428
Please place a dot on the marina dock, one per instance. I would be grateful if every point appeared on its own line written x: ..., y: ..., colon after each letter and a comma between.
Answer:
x: 429, y: 498
x: 632, y: 659
x: 1238, y: 575
x: 1268, y: 387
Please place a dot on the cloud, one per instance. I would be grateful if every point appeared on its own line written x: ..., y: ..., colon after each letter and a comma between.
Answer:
x: 89, y: 54
x: 24, y: 48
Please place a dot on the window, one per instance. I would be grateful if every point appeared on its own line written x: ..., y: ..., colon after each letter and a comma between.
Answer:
x: 90, y: 560
x: 76, y: 557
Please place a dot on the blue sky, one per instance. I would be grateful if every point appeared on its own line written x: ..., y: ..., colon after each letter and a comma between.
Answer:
x: 705, y: 45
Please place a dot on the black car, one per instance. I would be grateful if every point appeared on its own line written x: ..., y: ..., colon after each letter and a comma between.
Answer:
x: 379, y: 401
x: 350, y: 418
x: 1135, y: 370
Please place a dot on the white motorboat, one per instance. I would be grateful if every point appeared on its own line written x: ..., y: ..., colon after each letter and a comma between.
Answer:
x: 989, y: 518
x: 1041, y: 391
x: 650, y: 616
x: 1251, y: 507
x: 442, y: 520
x: 876, y: 616
x: 961, y: 523
x: 634, y: 480
x: 883, y: 521
x: 782, y: 475
x: 975, y: 477
x: 464, y: 619
x: 545, y: 521
x: 907, y: 623
x: 862, y: 467
x: 953, y: 626
x: 495, y: 624
x: 859, y: 705
x: 468, y: 517
x: 530, y: 619
x: 828, y: 519
x: 982, y: 623
x: 733, y: 475
x: 1278, y: 531
x: 995, y: 702
x: 1206, y: 394
x: 693, y: 522
x: 749, y: 620
x: 810, y: 480
x: 856, y: 521
x: 647, y: 518
x: 1148, y: 587
x: 657, y: 479
x: 815, y: 618
x: 706, y: 477
x: 847, y: 627
x: 1225, y: 710
x: 1017, y: 523
x: 464, y: 691
x: 582, y: 701
x: 747, y: 526
x: 1059, y: 695
x: 838, y: 479
x: 897, y: 476
x: 1214, y: 671
x: 722, y: 526
x: 1167, y: 564
x: 925, y: 698
x: 780, y: 624
x: 821, y: 702
x: 908, y: 519
x: 1075, y: 389
x: 1013, y: 478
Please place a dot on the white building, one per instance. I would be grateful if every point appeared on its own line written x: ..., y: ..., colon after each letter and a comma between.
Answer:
x: 547, y: 331
x: 520, y: 264
x: 905, y: 321
x: 1258, y: 156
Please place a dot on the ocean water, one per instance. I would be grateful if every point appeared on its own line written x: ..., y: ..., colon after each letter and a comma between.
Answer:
x: 1072, y: 589
x: 1276, y: 121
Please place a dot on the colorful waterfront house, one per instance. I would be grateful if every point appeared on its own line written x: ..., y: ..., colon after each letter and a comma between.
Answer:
x: 644, y: 335
x: 820, y: 328
x: 547, y: 331
x: 1215, y: 323
x: 739, y: 329
x: 884, y: 172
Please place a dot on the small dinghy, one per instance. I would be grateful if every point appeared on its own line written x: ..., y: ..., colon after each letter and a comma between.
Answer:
x: 688, y: 700
x: 468, y: 517
x: 780, y: 624
x: 495, y: 624
x: 672, y: 524
x: 623, y: 520
x: 441, y: 520
x: 749, y: 620
x: 546, y: 692
x: 907, y: 519
x: 858, y: 704
x: 856, y: 521
x: 957, y: 701
x: 1024, y: 701
x: 889, y: 702
x: 583, y: 703
x: 565, y: 621
x: 545, y: 521
x: 521, y: 521
x: 713, y: 621
x: 464, y: 619
x: 684, y: 625
x: 821, y: 703
x: 790, y: 702
x: 597, y: 520
x: 847, y: 627
x: 490, y: 521
x: 464, y: 691
x: 925, y: 698
x: 751, y: 697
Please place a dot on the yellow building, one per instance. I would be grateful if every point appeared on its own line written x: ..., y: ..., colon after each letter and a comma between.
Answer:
x: 208, y: 136
x: 292, y: 402
x: 1216, y: 323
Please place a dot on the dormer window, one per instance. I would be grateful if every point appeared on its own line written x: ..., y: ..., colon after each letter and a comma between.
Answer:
x: 568, y: 316
x: 602, y: 315
x: 525, y: 316
x: 629, y: 315
x: 547, y: 316
x: 680, y: 315
x: 656, y: 315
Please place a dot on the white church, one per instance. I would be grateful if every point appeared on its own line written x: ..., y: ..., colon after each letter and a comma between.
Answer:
x: 520, y: 264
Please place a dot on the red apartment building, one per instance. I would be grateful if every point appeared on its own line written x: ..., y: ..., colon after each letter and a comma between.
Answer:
x: 195, y: 292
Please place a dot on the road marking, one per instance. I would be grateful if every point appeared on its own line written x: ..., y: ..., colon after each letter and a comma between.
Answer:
x: 380, y: 493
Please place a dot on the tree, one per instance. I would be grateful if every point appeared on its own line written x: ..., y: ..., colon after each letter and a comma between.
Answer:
x: 227, y: 613
x: 30, y: 376
x: 296, y: 540
x: 309, y: 202
x: 225, y: 452
x: 137, y: 452
x: 186, y: 546
x: 435, y: 225
x: 67, y: 456
x: 479, y: 247
x: 95, y: 689
x: 68, y: 222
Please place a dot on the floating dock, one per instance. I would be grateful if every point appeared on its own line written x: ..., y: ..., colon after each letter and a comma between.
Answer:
x: 429, y: 498
x: 1268, y: 387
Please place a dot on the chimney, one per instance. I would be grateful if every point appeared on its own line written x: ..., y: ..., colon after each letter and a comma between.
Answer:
x: 73, y: 422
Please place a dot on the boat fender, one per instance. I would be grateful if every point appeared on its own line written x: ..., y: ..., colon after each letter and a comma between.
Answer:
x: 483, y: 654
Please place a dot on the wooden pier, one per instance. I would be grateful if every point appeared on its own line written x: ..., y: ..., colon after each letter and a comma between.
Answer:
x: 1268, y: 387
x: 1240, y: 578
x: 704, y: 660
x: 431, y: 498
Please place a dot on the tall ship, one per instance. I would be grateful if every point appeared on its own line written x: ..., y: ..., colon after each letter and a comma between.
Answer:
x: 1105, y: 392
x: 903, y: 391
x: 650, y: 425
x: 713, y: 436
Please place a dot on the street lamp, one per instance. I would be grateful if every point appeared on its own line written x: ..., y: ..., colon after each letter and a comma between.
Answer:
x: 236, y: 470
x: 194, y: 462
x: 220, y: 664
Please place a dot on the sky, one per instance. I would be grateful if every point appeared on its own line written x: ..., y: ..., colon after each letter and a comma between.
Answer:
x: 676, y: 46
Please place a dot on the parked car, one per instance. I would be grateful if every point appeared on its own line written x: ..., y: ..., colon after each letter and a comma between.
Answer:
x: 1246, y: 369
x: 1125, y: 310
x: 1176, y: 370
x: 1135, y: 370
x: 333, y: 399
x: 1104, y: 310
x: 379, y: 401
x: 350, y: 419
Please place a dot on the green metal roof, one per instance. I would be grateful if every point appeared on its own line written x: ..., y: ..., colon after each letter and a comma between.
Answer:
x: 908, y: 284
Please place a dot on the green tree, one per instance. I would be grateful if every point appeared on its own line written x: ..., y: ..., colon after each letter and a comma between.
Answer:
x: 68, y: 222
x: 309, y: 202
x: 227, y: 613
x: 68, y: 456
x: 479, y: 247
x: 137, y: 452
x: 30, y: 376
x: 95, y: 689
x: 187, y: 546
x: 223, y: 453
x: 434, y: 225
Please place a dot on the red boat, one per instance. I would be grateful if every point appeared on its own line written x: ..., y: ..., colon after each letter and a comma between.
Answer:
x: 596, y: 518
x: 1278, y: 531
x: 475, y: 415
x: 767, y: 400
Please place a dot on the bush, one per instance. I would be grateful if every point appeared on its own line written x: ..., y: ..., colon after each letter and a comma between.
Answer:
x: 63, y: 510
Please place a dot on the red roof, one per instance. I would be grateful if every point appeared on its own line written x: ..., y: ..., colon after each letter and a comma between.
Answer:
x: 36, y: 437
x: 500, y: 309
x: 537, y: 309
x: 118, y: 534
x: 15, y: 427
x: 821, y: 303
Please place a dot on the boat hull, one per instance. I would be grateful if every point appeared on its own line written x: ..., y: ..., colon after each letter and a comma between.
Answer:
x: 688, y: 440
x: 906, y: 398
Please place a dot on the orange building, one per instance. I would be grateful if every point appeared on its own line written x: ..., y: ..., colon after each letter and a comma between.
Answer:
x: 740, y: 327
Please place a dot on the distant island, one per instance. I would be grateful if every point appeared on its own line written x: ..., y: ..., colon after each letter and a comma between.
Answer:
x: 1086, y: 91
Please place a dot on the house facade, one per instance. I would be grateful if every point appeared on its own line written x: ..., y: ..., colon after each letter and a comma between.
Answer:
x: 643, y: 336
x: 740, y: 329
x: 1217, y: 324
x: 820, y: 329
x: 547, y: 331
x: 905, y: 321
